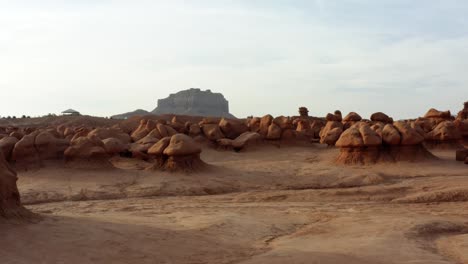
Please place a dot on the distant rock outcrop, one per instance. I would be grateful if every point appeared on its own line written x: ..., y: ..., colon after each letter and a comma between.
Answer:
x: 194, y: 102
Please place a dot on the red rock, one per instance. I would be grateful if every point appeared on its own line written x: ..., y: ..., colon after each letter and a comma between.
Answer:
x: 212, y: 132
x: 50, y: 147
x: 6, y: 146
x: 433, y: 113
x: 182, y: 145
x: 381, y: 117
x: 350, y: 138
x: 274, y: 132
x: 352, y: 116
x: 114, y: 146
x: 10, y: 204
x: 158, y: 148
x: 331, y: 133
x: 265, y: 123
x: 390, y: 135
x: 232, y: 128
x: 409, y: 135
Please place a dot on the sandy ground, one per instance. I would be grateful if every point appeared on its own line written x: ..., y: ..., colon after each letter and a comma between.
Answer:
x: 270, y: 205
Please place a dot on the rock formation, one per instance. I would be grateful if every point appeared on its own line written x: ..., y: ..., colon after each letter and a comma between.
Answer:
x: 303, y: 112
x: 10, y: 204
x: 194, y: 102
x: 177, y: 153
x: 400, y: 141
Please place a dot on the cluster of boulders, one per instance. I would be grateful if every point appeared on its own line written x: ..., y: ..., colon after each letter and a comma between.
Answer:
x: 368, y: 143
x: 440, y: 128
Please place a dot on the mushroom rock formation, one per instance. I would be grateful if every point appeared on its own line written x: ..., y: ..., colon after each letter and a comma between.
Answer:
x: 410, y: 147
x: 351, y: 119
x: 331, y: 132
x: 180, y: 153
x: 274, y: 132
x: 360, y: 144
x: 265, y: 123
x: 232, y: 128
x: 304, y: 129
x: 6, y: 146
x: 10, y: 204
x: 105, y: 133
x: 212, y: 132
x: 114, y: 146
x: 303, y: 112
x: 50, y: 147
x: 444, y: 134
x: 381, y: 117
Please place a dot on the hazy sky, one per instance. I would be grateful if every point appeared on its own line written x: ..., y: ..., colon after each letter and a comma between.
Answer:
x: 104, y: 57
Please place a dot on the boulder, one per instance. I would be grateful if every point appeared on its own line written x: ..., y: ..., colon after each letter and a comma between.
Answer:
x: 212, y: 132
x: 369, y: 137
x: 390, y: 135
x: 352, y: 117
x: 232, y: 128
x: 381, y: 117
x: 25, y: 151
x: 331, y: 133
x: 444, y: 131
x: 49, y: 146
x: 274, y: 132
x: 6, y: 146
x: 158, y: 148
x: 182, y: 145
x: 409, y: 135
x: 350, y: 138
x: 265, y: 123
x: 283, y: 122
x: 247, y: 139
x: 86, y: 148
x: 434, y: 113
x: 114, y: 146
x: 254, y: 124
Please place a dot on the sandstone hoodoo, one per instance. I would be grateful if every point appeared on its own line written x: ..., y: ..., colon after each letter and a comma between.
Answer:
x: 177, y: 153
x: 194, y: 102
x: 400, y: 141
x: 10, y: 204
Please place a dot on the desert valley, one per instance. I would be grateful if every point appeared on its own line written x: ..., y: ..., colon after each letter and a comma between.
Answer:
x: 171, y: 188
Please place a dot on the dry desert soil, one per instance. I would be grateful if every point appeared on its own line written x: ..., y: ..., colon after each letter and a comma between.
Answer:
x: 268, y: 205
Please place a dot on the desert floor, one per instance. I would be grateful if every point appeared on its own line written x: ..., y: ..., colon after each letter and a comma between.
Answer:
x: 268, y: 205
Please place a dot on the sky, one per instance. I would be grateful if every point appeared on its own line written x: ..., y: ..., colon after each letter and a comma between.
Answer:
x: 105, y: 57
